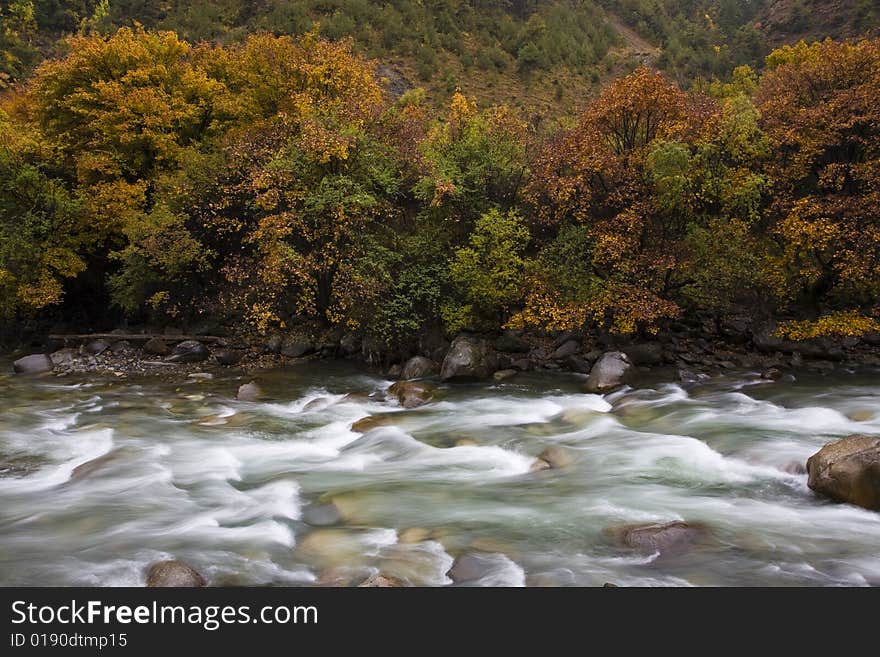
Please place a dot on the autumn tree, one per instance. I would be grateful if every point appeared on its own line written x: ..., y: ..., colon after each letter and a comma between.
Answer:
x: 621, y: 173
x: 820, y: 111
x: 315, y: 174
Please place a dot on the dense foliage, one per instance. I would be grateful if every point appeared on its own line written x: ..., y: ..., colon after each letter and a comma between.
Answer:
x: 274, y: 181
x: 543, y: 54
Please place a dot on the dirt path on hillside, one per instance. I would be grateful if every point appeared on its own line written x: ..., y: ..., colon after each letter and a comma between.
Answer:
x: 631, y: 38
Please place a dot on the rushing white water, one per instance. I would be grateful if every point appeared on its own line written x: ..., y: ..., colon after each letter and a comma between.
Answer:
x: 99, y: 478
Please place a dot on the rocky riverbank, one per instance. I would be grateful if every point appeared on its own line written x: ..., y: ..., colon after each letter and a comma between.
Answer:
x: 686, y: 354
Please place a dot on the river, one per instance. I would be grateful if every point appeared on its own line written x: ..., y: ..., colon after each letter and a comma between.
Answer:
x: 102, y: 476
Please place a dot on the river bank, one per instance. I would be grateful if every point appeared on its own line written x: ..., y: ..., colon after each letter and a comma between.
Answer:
x: 684, y: 355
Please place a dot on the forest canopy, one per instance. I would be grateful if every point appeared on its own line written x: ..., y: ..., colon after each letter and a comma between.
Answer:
x: 275, y: 181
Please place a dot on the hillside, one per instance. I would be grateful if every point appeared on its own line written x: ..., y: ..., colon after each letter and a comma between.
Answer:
x: 545, y: 56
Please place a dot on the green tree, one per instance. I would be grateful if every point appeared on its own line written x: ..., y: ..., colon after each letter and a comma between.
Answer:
x: 488, y: 274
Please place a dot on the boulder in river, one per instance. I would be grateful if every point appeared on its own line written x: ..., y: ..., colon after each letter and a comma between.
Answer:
x: 33, y: 364
x: 486, y: 569
x: 381, y: 581
x: 175, y: 574
x: 668, y: 539
x: 468, y: 359
x: 157, y: 347
x: 189, y: 351
x: 371, y: 422
x: 418, y: 367
x: 848, y: 471
x: 412, y: 394
x: 557, y: 456
x: 324, y: 514
x: 540, y: 465
x: 249, y: 392
x: 609, y: 372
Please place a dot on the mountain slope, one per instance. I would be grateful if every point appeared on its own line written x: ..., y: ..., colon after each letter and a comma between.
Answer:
x: 546, y: 56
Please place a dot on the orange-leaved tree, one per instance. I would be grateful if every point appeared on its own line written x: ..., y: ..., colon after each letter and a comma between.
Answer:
x: 820, y: 109
x: 602, y: 186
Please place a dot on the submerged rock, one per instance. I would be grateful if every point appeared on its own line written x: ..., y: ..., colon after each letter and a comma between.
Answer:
x: 557, y: 457
x: 539, y: 465
x: 468, y: 359
x: 249, y: 392
x: 486, y: 569
x: 503, y: 375
x: 93, y: 465
x: 795, y: 468
x: 469, y: 567
x: 174, y: 574
x: 33, y: 364
x: 412, y: 394
x: 413, y: 535
x: 848, y: 471
x: 381, y: 581
x: 323, y: 515
x: 668, y: 539
x: 418, y: 367
x: 371, y: 422
x: 609, y: 372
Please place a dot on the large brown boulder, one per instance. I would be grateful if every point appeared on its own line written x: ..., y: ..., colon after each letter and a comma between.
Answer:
x: 848, y: 471
x: 412, y: 394
x: 469, y: 359
x: 175, y: 574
